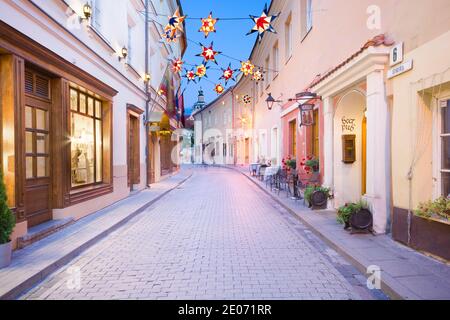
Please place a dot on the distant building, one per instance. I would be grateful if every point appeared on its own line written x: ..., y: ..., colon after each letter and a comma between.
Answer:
x: 213, y: 124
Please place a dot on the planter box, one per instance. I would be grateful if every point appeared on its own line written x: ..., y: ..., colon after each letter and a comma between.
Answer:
x: 428, y: 235
x: 5, y: 254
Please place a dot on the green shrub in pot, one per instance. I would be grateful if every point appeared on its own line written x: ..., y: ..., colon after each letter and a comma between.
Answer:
x: 7, y: 219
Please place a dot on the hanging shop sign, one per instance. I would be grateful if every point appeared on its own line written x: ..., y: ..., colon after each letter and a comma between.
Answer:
x: 400, y: 69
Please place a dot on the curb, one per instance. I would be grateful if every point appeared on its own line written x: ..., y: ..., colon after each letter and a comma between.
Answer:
x: 42, y: 274
x: 385, y: 287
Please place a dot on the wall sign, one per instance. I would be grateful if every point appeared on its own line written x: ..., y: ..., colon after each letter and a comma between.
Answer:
x: 400, y: 69
x: 396, y: 55
x: 348, y: 125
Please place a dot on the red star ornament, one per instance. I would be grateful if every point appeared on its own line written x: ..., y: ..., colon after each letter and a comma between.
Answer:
x: 263, y: 23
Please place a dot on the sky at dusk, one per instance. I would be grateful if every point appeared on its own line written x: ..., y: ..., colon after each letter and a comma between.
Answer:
x: 230, y: 39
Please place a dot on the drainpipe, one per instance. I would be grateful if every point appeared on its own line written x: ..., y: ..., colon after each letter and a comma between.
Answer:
x: 147, y: 95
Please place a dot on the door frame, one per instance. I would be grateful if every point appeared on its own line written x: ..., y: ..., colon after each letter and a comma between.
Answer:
x: 133, y: 160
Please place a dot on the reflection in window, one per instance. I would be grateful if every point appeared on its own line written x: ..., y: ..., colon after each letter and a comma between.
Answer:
x: 86, y: 140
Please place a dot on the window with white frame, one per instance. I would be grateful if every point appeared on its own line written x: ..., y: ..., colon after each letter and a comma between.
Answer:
x: 309, y: 15
x: 267, y: 67
x: 445, y: 149
x: 275, y: 60
x: 306, y: 17
x: 288, y: 37
x: 130, y: 44
x: 96, y: 20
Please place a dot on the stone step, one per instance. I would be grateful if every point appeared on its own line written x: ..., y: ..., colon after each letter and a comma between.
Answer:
x: 42, y: 231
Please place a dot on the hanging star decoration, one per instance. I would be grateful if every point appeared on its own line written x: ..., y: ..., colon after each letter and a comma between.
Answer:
x: 228, y: 74
x: 177, y: 65
x: 247, y: 68
x: 201, y: 71
x: 247, y: 99
x: 263, y: 23
x: 208, y: 25
x: 208, y: 54
x: 219, y: 89
x: 258, y: 76
x: 175, y: 24
x: 190, y: 75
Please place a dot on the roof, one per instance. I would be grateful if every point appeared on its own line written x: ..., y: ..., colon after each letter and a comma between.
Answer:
x: 376, y: 41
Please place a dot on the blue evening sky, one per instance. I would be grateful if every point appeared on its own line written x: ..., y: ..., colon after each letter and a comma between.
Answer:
x: 230, y: 39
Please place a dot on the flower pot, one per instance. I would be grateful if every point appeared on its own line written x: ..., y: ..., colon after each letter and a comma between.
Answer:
x: 319, y: 200
x: 361, y: 221
x: 5, y: 254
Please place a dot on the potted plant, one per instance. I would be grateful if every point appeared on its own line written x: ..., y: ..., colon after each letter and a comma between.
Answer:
x: 317, y: 197
x: 355, y: 216
x: 289, y: 163
x: 7, y: 223
x: 438, y: 209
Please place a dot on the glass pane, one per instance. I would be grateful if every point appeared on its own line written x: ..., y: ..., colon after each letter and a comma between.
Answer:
x: 446, y: 184
x: 41, y: 119
x: 446, y: 119
x: 98, y: 109
x: 90, y: 106
x: 42, y: 143
x: 82, y: 103
x: 99, y: 150
x: 29, y: 167
x: 445, y: 153
x: 28, y: 142
x: 73, y: 99
x: 28, y: 117
x: 82, y: 150
x: 42, y: 167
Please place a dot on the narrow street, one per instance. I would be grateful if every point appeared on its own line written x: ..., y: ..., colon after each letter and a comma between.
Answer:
x: 215, y: 237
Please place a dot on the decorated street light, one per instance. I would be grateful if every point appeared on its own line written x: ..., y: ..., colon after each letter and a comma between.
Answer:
x: 270, y: 101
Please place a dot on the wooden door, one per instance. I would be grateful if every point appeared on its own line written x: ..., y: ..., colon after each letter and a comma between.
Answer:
x: 247, y: 151
x: 38, y: 186
x: 133, y: 151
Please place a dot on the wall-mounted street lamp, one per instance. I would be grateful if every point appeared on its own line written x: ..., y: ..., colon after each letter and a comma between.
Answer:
x: 123, y: 53
x: 307, y: 107
x: 147, y: 77
x: 270, y: 101
x: 87, y: 11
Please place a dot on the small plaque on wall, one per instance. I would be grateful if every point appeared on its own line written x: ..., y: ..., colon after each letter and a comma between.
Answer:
x: 348, y: 148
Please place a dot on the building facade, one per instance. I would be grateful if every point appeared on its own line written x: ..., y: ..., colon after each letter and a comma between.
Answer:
x: 213, y: 124
x: 379, y: 127
x: 73, y: 100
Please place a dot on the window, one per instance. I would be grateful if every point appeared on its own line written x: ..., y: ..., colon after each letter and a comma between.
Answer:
x: 288, y: 37
x: 130, y: 44
x: 275, y: 61
x: 293, y: 138
x: 315, y: 135
x: 36, y: 142
x: 445, y: 149
x: 274, y: 145
x: 96, y: 14
x: 267, y: 69
x: 224, y: 149
x: 306, y: 17
x: 86, y: 139
x: 231, y: 149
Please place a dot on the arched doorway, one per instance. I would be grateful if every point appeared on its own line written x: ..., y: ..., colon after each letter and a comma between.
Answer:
x: 350, y: 148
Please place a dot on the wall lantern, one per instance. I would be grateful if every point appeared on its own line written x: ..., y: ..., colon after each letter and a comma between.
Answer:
x: 306, y: 102
x: 87, y: 11
x: 147, y: 77
x: 270, y: 101
x: 123, y: 53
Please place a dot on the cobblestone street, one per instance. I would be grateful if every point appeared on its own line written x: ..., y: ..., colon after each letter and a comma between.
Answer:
x: 215, y: 237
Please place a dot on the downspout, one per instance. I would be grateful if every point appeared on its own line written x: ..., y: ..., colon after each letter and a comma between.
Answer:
x: 147, y: 95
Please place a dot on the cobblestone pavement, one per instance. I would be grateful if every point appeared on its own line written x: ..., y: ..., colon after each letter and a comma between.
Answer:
x: 216, y: 237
